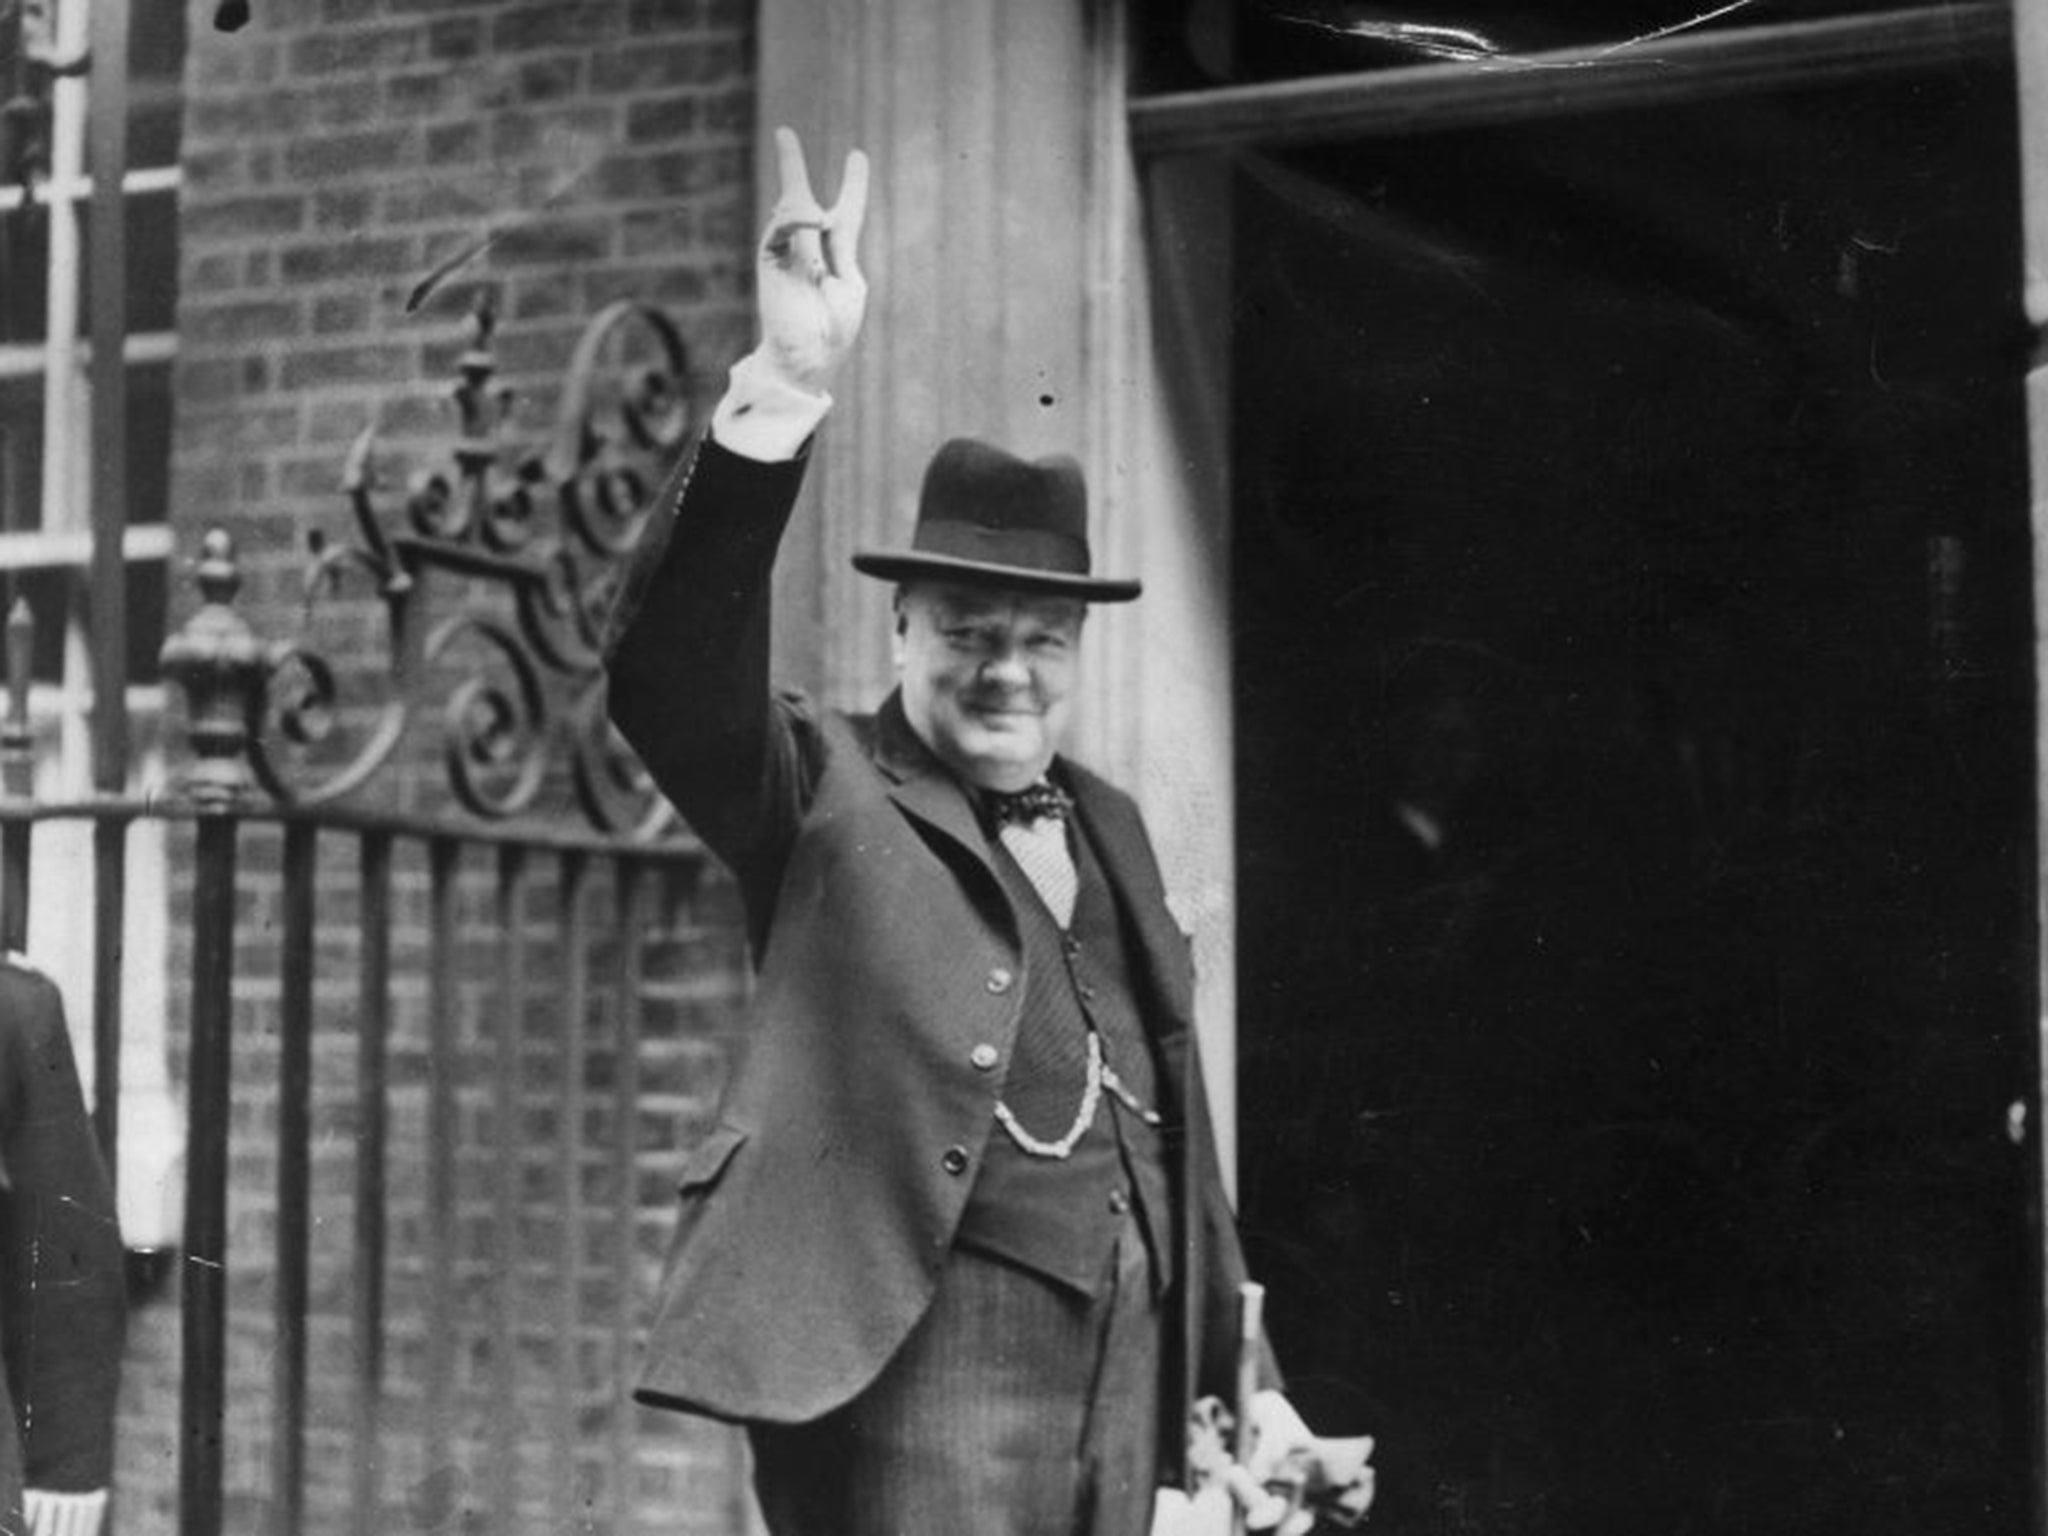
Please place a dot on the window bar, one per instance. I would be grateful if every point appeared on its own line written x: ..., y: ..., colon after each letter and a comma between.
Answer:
x: 204, y: 1316
x: 65, y: 424
x: 632, y: 931
x: 506, y: 1171
x: 373, y: 1034
x: 443, y: 866
x: 575, y: 932
x: 110, y: 904
x: 107, y: 596
x: 294, y: 1183
x: 17, y: 778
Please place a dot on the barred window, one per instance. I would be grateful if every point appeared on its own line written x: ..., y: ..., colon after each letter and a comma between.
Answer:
x: 47, y: 462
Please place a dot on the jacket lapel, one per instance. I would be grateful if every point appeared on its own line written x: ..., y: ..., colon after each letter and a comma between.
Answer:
x: 1125, y: 855
x: 923, y: 786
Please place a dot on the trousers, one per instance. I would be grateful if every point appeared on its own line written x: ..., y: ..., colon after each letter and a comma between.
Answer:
x: 1017, y: 1407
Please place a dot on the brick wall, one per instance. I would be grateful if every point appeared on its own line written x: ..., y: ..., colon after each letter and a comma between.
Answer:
x: 338, y: 150
x: 336, y: 153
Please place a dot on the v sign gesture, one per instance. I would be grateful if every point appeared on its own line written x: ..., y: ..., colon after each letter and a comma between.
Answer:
x: 809, y: 288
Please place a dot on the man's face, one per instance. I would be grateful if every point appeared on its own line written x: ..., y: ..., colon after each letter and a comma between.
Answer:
x: 987, y: 676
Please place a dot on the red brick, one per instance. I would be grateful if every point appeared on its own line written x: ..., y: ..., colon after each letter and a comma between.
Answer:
x: 645, y: 178
x: 662, y: 231
x: 659, y: 16
x: 242, y: 430
x: 563, y: 24
x: 547, y: 295
x: 558, y: 78
x: 661, y: 119
x: 202, y: 220
x: 334, y: 313
x: 214, y: 165
x: 311, y: 368
x: 417, y: 95
x: 264, y: 113
x: 554, y: 239
x: 287, y: 16
x: 673, y: 285
x: 346, y: 103
x: 582, y: 131
x: 373, y: 151
x: 726, y: 222
x: 206, y: 380
x: 347, y: 208
x: 215, y: 272
x: 475, y: 195
x: 337, y: 50
x: 456, y: 143
x: 654, y: 66
x: 352, y: 258
x: 256, y: 320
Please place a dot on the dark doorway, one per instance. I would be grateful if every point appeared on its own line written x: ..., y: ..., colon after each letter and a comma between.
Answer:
x: 1635, y: 772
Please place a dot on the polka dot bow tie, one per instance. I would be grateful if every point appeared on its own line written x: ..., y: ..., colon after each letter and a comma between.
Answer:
x: 1039, y: 802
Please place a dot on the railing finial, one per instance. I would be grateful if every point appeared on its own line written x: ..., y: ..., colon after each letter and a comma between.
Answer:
x: 223, y: 669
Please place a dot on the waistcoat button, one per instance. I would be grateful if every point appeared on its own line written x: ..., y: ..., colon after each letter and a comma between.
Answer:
x: 984, y: 1058
x: 999, y: 980
x: 955, y: 1160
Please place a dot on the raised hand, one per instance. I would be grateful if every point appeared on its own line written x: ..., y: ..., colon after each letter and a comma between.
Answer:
x: 809, y: 286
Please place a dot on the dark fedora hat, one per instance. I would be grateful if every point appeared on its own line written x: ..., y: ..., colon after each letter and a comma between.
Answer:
x: 987, y: 516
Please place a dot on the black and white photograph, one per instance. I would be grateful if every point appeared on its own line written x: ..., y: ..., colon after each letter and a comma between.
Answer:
x: 1022, y: 767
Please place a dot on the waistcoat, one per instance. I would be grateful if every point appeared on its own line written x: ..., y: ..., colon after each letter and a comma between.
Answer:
x: 1060, y: 1217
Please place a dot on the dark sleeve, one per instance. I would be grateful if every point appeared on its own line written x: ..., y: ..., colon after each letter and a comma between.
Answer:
x: 686, y: 655
x: 66, y: 1306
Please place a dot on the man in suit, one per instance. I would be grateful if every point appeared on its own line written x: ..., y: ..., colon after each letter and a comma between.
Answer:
x: 958, y: 1240
x: 64, y: 1296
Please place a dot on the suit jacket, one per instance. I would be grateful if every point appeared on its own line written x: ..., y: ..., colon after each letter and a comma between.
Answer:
x: 818, y: 1214
x: 64, y: 1293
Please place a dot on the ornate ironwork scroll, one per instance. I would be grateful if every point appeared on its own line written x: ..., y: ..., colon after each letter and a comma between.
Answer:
x: 532, y: 543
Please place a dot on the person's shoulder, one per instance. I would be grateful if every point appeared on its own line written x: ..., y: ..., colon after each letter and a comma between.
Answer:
x: 1096, y: 794
x: 24, y: 986
x: 31, y: 1019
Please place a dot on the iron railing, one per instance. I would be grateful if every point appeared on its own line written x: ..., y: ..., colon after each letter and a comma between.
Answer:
x: 503, y: 924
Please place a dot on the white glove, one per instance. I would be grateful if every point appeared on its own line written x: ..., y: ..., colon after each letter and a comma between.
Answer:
x: 811, y: 297
x: 64, y: 1514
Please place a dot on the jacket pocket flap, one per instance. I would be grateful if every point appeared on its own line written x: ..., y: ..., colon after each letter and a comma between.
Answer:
x: 708, y: 1158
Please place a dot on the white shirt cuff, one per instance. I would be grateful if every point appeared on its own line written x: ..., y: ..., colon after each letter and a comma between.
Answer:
x: 64, y: 1514
x: 763, y: 415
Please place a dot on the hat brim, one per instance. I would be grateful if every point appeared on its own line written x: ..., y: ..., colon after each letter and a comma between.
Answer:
x: 908, y: 566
